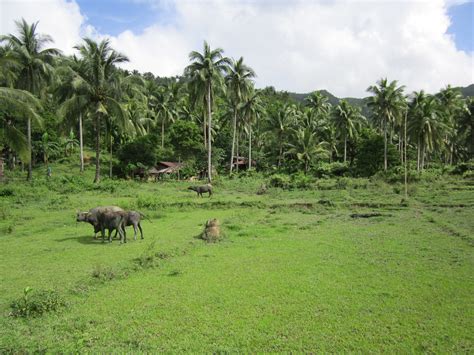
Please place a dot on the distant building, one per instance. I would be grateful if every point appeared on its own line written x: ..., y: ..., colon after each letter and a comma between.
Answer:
x: 164, y: 168
x: 242, y: 163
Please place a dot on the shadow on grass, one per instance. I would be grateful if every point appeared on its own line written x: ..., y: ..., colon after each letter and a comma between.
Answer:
x: 86, y: 239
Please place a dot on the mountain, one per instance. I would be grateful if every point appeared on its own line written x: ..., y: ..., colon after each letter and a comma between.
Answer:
x: 467, y: 91
x: 333, y: 100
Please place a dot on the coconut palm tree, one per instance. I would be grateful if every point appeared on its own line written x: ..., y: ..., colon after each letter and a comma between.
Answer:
x: 307, y: 147
x: 239, y: 83
x: 426, y: 124
x: 33, y: 64
x: 318, y: 103
x: 206, y: 72
x: 453, y: 105
x: 387, y: 105
x: 280, y: 122
x: 252, y: 110
x: 347, y: 120
x: 94, y: 90
x: 18, y: 105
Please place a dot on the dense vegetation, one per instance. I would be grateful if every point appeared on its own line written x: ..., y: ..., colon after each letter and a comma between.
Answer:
x: 52, y: 105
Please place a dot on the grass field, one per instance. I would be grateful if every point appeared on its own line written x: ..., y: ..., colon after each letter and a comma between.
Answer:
x: 295, y: 272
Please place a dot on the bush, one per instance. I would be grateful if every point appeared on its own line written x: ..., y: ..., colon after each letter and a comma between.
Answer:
x: 301, y: 181
x: 325, y: 170
x: 34, y: 304
x: 6, y: 191
x: 279, y: 180
x: 462, y: 168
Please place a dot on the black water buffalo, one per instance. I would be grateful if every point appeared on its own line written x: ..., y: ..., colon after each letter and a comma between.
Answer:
x: 113, y: 221
x: 92, y: 216
x: 201, y: 189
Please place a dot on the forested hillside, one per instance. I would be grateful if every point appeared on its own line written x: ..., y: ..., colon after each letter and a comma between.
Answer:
x: 54, y: 105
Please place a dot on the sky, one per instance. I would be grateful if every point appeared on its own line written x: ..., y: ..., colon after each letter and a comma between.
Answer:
x: 343, y: 46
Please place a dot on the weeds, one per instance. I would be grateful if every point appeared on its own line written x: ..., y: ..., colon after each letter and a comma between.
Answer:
x: 34, y: 304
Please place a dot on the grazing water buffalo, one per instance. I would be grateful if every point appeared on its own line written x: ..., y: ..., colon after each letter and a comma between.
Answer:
x: 113, y: 221
x: 93, y: 214
x: 201, y: 189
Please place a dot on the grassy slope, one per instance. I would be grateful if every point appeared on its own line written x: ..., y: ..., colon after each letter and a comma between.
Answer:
x: 291, y: 274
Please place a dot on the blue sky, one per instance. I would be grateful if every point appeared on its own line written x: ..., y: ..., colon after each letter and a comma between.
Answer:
x: 343, y: 46
x: 462, y: 25
x: 115, y: 16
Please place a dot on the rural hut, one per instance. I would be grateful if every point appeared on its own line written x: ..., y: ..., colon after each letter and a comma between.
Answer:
x: 242, y: 163
x: 165, y: 168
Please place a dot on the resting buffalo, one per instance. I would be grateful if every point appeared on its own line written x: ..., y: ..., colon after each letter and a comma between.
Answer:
x: 201, y: 189
x: 93, y: 214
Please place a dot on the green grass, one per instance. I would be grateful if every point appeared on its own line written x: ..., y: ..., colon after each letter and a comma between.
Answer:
x: 292, y: 274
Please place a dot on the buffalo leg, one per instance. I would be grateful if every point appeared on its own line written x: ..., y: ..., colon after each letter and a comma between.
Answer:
x: 141, y: 230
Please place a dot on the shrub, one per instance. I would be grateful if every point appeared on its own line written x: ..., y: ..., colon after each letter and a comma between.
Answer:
x: 103, y: 273
x: 325, y: 170
x: 33, y: 304
x: 7, y: 191
x: 279, y: 180
x: 301, y: 181
x: 461, y: 168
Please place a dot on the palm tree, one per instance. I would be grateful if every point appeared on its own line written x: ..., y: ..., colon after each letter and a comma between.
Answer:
x: 34, y: 64
x: 18, y: 104
x: 94, y: 92
x: 239, y: 83
x: 387, y: 105
x: 318, y: 103
x: 426, y: 124
x: 280, y: 121
x: 347, y: 120
x: 206, y: 71
x: 453, y: 105
x: 307, y: 147
x: 252, y: 109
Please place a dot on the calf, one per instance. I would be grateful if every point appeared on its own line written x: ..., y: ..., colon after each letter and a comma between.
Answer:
x: 132, y: 218
x: 201, y: 189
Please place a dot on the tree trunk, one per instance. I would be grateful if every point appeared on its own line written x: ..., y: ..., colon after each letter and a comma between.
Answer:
x: 97, y: 149
x: 209, y: 127
x: 405, y: 156
x: 81, y: 147
x: 250, y: 147
x: 237, y: 152
x: 345, y: 148
x: 234, y: 126
x: 385, y: 164
x: 163, y: 133
x: 423, y: 157
x: 30, y: 166
x: 418, y: 158
x: 110, y: 162
x: 280, y: 153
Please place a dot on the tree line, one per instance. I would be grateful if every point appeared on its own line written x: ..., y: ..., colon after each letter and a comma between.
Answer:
x: 210, y: 116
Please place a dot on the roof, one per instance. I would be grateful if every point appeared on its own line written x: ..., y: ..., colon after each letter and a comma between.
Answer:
x: 169, y: 163
x: 170, y: 168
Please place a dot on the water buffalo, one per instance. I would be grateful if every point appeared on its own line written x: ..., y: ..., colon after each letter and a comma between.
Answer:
x: 132, y: 218
x: 113, y: 221
x: 201, y: 189
x: 92, y: 216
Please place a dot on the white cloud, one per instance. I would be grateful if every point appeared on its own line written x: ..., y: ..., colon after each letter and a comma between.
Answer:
x: 342, y: 46
x: 60, y: 19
